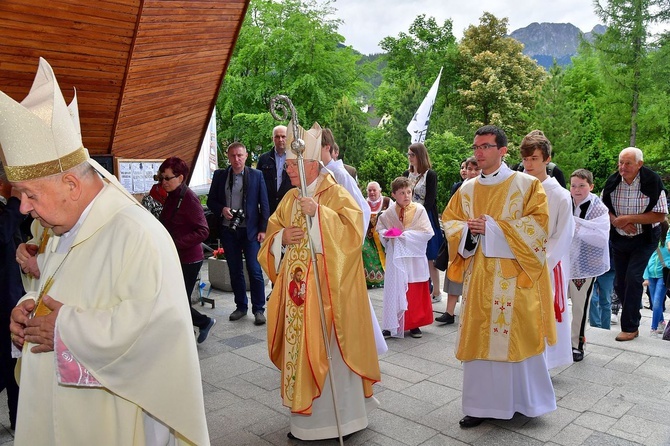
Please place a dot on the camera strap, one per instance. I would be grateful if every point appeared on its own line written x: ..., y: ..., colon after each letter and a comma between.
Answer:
x: 245, y: 176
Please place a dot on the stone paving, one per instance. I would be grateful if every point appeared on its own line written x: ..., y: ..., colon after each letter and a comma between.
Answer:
x: 618, y: 395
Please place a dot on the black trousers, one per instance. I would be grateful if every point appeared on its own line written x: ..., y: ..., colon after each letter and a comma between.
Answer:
x: 190, y: 271
x: 8, y: 364
x: 631, y: 255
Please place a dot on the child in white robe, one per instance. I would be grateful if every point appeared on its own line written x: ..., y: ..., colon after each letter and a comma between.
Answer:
x: 405, y: 230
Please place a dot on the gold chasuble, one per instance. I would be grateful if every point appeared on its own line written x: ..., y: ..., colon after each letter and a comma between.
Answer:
x: 295, y: 337
x: 507, y: 313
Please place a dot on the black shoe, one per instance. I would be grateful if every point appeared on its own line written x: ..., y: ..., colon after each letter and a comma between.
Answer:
x: 446, y: 319
x: 468, y: 421
x: 386, y: 333
x: 259, y: 318
x: 204, y: 332
x: 577, y: 355
x: 415, y: 333
x: 290, y: 436
x: 237, y: 314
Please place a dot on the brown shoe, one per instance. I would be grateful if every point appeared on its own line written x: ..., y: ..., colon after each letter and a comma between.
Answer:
x: 625, y: 336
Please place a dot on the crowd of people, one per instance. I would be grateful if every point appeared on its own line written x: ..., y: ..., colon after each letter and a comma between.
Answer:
x: 526, y: 257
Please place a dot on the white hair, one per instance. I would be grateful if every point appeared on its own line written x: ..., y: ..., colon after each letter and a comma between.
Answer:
x: 635, y: 151
x: 274, y: 130
x: 374, y: 183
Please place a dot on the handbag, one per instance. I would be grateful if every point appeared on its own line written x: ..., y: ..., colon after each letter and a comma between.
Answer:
x: 442, y: 260
x: 666, y: 271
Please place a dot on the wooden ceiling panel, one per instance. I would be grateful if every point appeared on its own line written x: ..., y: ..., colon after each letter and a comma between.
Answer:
x: 147, y: 72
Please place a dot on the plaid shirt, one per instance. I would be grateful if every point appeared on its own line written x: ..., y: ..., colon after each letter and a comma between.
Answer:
x: 628, y: 200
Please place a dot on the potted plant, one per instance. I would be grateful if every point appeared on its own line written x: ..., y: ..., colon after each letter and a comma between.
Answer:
x: 219, y: 274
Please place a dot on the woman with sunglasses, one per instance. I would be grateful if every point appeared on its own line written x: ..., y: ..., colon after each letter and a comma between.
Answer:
x: 184, y: 218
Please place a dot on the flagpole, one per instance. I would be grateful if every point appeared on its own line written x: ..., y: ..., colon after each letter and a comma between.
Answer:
x: 298, y: 147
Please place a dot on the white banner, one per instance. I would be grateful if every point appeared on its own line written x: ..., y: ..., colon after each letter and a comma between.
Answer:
x: 418, y: 126
x: 207, y: 161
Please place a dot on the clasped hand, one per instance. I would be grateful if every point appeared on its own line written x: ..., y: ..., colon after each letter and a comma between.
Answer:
x: 38, y: 330
x: 308, y: 206
x: 477, y: 225
x: 26, y: 257
x: 292, y: 235
x: 623, y: 222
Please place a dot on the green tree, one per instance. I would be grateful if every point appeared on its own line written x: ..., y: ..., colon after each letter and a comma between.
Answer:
x: 499, y: 83
x: 654, y: 118
x: 349, y: 125
x: 624, y: 47
x: 413, y: 61
x: 555, y: 115
x: 382, y: 166
x: 568, y: 111
x: 447, y: 151
x: 289, y: 47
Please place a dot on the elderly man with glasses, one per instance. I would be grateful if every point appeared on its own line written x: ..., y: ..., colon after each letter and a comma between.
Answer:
x: 295, y: 335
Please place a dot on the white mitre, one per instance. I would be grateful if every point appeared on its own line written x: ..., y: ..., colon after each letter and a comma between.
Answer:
x: 38, y: 137
x: 311, y: 138
x: 41, y: 136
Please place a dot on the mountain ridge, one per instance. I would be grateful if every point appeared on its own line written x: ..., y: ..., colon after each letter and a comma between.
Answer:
x: 546, y: 41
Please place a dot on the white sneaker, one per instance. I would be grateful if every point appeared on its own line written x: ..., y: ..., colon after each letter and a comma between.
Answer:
x: 436, y: 299
x: 614, y: 320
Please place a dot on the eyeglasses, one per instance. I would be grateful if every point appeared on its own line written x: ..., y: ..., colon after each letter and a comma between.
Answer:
x: 411, y: 154
x: 483, y: 147
x: 294, y: 165
x: 162, y: 178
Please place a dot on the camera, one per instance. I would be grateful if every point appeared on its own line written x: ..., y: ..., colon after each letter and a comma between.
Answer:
x: 238, y: 218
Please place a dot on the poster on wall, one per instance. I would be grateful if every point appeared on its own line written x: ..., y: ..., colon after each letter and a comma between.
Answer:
x: 137, y: 175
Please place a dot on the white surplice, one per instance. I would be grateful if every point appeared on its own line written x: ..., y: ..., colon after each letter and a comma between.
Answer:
x: 561, y: 230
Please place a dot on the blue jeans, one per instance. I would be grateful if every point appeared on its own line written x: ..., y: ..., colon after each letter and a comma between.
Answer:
x: 631, y: 255
x: 600, y: 312
x: 234, y: 244
x: 657, y: 293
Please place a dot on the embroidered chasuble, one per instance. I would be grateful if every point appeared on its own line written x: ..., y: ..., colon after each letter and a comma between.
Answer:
x: 507, y: 312
x: 125, y: 323
x: 295, y: 336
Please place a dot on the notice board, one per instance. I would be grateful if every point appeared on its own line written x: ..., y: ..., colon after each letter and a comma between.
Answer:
x: 137, y: 175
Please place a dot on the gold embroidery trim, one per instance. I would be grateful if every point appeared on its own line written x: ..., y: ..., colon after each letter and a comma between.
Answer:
x: 47, y: 168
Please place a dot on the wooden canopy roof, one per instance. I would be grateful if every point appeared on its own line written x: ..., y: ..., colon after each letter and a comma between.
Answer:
x: 147, y: 72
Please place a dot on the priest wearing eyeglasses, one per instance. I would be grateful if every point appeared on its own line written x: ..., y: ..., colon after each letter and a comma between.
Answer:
x: 496, y: 226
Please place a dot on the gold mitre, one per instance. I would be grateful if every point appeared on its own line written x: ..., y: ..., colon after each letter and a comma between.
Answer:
x: 312, y: 139
x: 39, y: 137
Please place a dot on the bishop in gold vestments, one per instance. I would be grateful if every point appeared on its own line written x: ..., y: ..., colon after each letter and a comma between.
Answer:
x: 295, y: 336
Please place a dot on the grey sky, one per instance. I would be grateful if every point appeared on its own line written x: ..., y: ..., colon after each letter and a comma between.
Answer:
x: 367, y: 22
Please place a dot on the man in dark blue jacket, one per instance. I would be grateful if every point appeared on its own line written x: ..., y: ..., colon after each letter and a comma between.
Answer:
x: 272, y: 165
x: 238, y: 195
x: 11, y: 288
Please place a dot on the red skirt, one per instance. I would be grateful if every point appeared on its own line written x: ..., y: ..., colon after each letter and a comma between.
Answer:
x: 419, y: 306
